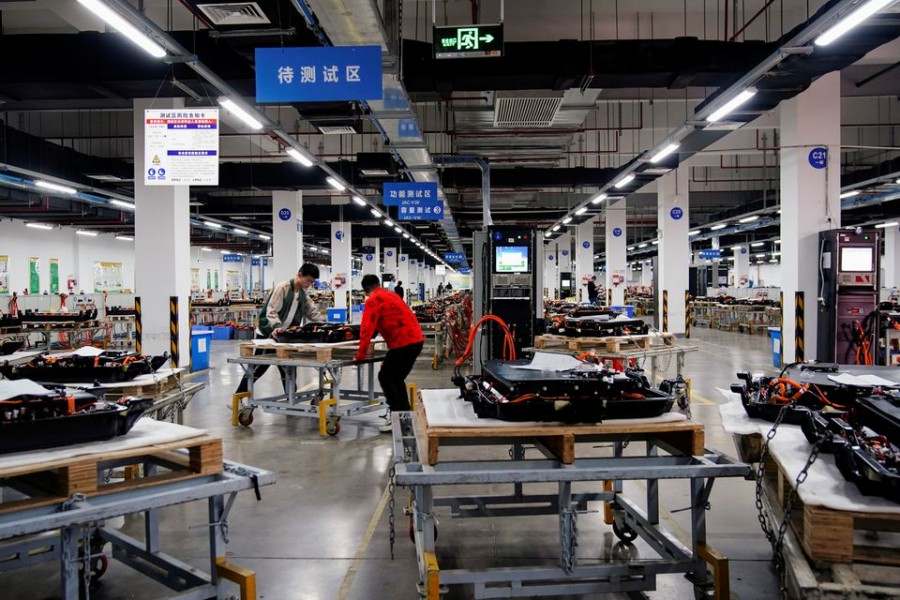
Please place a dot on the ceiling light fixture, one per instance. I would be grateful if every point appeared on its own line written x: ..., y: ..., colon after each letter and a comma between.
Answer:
x: 335, y: 184
x: 124, y: 27
x: 224, y: 252
x: 123, y: 204
x: 299, y: 157
x: 694, y: 232
x: 240, y: 231
x: 212, y: 224
x: 850, y: 194
x: 851, y: 20
x: 624, y: 181
x: 86, y: 233
x: 749, y: 219
x: 359, y: 200
x: 581, y: 210
x: 375, y: 213
x: 55, y: 187
x: 757, y: 244
x: 241, y: 113
x: 555, y: 228
x: 669, y: 149
x: 886, y: 225
x: 388, y: 222
x: 405, y: 236
x: 644, y: 245
x: 125, y: 238
x: 732, y: 104
x: 567, y: 220
x: 263, y: 236
x: 718, y: 227
x: 655, y: 242
x: 205, y: 249
x: 598, y: 199
x: 630, y: 248
x: 397, y: 229
x: 38, y: 226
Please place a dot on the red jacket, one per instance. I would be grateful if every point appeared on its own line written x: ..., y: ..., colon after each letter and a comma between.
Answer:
x: 386, y: 313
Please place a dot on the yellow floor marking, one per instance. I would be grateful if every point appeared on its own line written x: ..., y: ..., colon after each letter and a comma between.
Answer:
x: 363, y: 546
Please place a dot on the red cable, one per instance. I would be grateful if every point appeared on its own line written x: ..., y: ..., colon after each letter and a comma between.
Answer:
x: 509, y: 348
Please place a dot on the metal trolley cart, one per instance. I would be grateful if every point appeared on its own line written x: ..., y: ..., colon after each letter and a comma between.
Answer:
x: 416, y: 445
x: 437, y: 334
x: 328, y: 406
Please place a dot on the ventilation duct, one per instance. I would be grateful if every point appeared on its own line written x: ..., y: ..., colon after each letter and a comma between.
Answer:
x: 231, y: 14
x: 526, y: 112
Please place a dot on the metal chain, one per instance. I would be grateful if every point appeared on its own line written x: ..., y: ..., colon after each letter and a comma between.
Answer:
x: 568, y: 536
x: 761, y: 515
x: 86, y: 561
x: 393, y: 534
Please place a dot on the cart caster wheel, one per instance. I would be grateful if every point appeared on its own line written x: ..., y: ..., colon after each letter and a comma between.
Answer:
x: 333, y: 426
x: 99, y: 565
x: 245, y: 418
x: 626, y: 534
x: 412, y: 532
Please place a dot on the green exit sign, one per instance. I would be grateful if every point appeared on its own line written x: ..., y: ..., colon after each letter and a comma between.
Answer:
x: 468, y: 41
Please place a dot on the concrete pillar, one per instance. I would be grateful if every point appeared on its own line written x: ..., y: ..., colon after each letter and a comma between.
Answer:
x: 647, y: 273
x: 891, y: 262
x: 551, y: 271
x: 674, y: 249
x: 616, y: 251
x: 390, y: 261
x: 742, y: 265
x: 162, y: 247
x: 564, y: 261
x: 372, y: 260
x: 341, y: 262
x: 403, y: 274
x: 810, y: 199
x: 287, y: 235
x: 413, y: 285
x: 584, y: 257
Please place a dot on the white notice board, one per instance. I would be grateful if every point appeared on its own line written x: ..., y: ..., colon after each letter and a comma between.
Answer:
x: 181, y: 146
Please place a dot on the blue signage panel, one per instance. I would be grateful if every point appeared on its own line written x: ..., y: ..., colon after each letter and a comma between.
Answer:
x: 454, y: 257
x: 369, y: 258
x: 232, y: 258
x: 464, y: 270
x: 585, y: 244
x: 711, y: 254
x: 393, y: 193
x: 408, y: 128
x: 818, y: 158
x: 284, y: 214
x: 315, y: 74
x: 676, y: 213
x: 414, y: 201
x: 617, y: 232
x: 254, y: 262
x: 565, y: 252
x: 265, y: 262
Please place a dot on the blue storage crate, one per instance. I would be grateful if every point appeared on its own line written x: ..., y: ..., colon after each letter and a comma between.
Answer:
x: 200, y: 345
x: 223, y: 332
x: 775, y: 334
x: 628, y: 310
x: 337, y: 315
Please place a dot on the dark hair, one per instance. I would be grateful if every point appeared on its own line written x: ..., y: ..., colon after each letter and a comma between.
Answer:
x: 370, y: 282
x: 399, y: 282
x: 309, y: 270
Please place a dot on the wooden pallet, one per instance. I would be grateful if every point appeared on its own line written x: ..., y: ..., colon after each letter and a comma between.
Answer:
x: 52, y: 325
x: 55, y: 481
x: 836, y: 536
x: 154, y: 388
x: 683, y: 437
x: 612, y: 344
x: 321, y: 354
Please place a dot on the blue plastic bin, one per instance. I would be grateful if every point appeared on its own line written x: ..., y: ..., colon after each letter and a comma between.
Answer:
x: 222, y: 332
x: 337, y: 315
x: 775, y: 334
x: 200, y: 343
x: 628, y: 310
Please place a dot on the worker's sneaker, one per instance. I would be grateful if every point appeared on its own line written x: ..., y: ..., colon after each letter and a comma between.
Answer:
x: 385, y: 426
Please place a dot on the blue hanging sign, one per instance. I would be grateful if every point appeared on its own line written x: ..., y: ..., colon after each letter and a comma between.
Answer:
x: 232, y: 258
x: 711, y: 254
x: 617, y: 232
x: 394, y: 193
x: 254, y: 262
x: 389, y: 253
x: 421, y: 209
x: 464, y: 270
x: 408, y: 128
x: 316, y: 74
x: 402, y: 258
x: 585, y: 244
x: 454, y: 257
x: 676, y: 213
x: 338, y: 235
x: 284, y: 214
x: 265, y: 262
x: 818, y: 157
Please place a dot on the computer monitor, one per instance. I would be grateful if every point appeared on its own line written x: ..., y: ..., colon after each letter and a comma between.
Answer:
x: 857, y: 259
x: 512, y: 259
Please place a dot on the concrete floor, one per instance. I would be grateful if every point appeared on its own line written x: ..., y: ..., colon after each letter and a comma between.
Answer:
x: 322, y: 531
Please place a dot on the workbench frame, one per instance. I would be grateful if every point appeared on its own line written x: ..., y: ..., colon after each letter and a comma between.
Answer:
x: 61, y: 531
x: 568, y: 578
x: 315, y: 403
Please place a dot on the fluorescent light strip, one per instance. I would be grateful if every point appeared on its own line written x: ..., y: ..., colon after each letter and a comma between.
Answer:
x: 851, y: 20
x: 599, y: 199
x: 124, y: 27
x: 397, y: 229
x: 263, y: 236
x: 335, y: 184
x: 642, y: 245
x: 359, y: 200
x: 749, y: 219
x: 224, y: 252
x: 655, y: 242
x: 86, y: 233
x: 694, y: 232
x: 388, y: 222
x: 242, y: 114
x: 581, y: 210
x: 630, y: 248
x: 38, y: 226
x: 213, y: 225
x: 299, y: 157
x: 886, y: 225
x: 718, y: 227
x: 123, y: 204
x: 850, y: 194
x: 55, y: 187
x: 205, y: 249
x: 757, y: 244
x: 567, y: 220
x: 555, y: 228
x: 240, y: 231
x: 664, y: 152
x: 624, y: 181
x: 375, y: 213
x: 125, y: 238
x: 732, y: 104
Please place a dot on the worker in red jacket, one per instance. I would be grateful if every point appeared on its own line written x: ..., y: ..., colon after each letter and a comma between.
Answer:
x: 386, y: 313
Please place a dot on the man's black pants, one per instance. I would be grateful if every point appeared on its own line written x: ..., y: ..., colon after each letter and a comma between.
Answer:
x: 260, y: 369
x: 397, y: 365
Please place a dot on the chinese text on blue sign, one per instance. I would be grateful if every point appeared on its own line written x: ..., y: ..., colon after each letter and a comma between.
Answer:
x: 316, y: 74
x: 711, y: 254
x: 232, y: 258
x: 414, y: 201
x: 454, y: 257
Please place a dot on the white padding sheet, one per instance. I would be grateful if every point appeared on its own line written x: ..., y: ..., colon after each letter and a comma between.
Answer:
x: 145, y: 432
x: 160, y: 375
x: 735, y: 419
x: 445, y: 408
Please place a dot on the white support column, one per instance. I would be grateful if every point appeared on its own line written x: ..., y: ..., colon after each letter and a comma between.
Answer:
x: 372, y: 260
x: 551, y: 271
x: 647, y: 273
x: 891, y: 262
x: 162, y: 248
x: 413, y: 285
x: 742, y: 265
x: 674, y: 249
x: 564, y: 262
x: 341, y: 262
x: 287, y: 235
x: 616, y: 236
x: 810, y: 200
x: 584, y: 257
x: 390, y: 262
x: 403, y: 274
